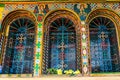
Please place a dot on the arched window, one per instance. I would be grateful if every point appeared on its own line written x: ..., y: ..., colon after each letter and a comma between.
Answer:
x: 19, y: 43
x: 103, y: 45
x: 61, y: 49
x: 20, y: 47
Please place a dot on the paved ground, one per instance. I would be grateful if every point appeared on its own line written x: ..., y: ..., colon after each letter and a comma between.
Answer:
x: 66, y: 78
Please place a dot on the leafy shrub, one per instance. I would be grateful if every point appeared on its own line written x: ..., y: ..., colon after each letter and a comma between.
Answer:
x: 51, y: 71
x: 60, y: 71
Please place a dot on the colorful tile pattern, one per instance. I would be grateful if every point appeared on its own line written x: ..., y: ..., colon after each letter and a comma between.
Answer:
x: 42, y: 9
x: 38, y: 53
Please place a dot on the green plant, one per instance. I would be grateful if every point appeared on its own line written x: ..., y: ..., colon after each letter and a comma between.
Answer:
x: 60, y: 71
x: 51, y: 71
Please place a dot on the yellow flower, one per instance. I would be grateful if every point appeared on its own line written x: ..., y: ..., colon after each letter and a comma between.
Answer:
x: 77, y: 72
x: 71, y: 71
x: 59, y: 72
x: 66, y: 72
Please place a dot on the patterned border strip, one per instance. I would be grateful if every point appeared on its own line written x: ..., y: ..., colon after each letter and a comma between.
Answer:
x: 38, y: 53
x: 84, y: 49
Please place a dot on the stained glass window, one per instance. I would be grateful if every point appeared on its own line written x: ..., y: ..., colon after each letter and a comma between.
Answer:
x: 103, y: 46
x: 19, y: 53
x: 60, y: 45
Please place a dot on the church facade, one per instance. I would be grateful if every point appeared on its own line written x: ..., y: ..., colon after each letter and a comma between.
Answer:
x: 39, y: 35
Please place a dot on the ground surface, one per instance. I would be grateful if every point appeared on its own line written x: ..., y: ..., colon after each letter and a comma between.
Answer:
x: 65, y: 78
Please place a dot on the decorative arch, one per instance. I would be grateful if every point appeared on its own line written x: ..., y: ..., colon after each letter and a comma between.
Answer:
x: 103, y: 31
x: 19, y: 32
x: 56, y: 22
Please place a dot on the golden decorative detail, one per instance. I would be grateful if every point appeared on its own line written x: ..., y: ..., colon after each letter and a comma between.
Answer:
x: 113, y: 0
x: 53, y: 1
x: 44, y: 1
